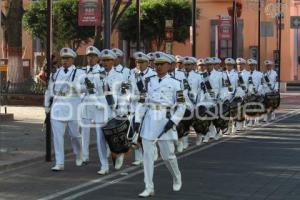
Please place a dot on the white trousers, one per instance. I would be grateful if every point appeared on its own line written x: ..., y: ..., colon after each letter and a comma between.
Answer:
x: 59, y: 128
x: 167, y: 152
x: 101, y: 143
x: 138, y: 154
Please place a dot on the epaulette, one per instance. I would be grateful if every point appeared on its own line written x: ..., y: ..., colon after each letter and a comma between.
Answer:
x: 83, y: 68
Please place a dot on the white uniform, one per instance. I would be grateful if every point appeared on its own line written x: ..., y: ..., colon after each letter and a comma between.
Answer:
x: 180, y: 75
x: 95, y: 113
x: 161, y: 94
x: 136, y: 74
x: 255, y: 88
x: 273, y: 85
x: 225, y: 93
x: 215, y: 80
x: 241, y: 92
x: 64, y: 87
x: 123, y: 70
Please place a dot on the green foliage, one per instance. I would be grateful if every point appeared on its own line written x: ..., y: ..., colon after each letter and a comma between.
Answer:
x: 65, y: 23
x: 153, y: 16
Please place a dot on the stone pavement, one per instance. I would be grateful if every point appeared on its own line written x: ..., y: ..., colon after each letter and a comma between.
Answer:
x: 23, y: 141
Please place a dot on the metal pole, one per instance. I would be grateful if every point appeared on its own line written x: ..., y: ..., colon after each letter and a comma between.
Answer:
x: 258, y: 34
x: 194, y: 28
x: 48, y: 70
x: 107, y: 24
x: 279, y: 38
x: 233, y: 29
x: 138, y: 40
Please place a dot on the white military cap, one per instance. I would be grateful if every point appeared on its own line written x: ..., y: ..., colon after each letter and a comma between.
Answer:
x: 229, y: 61
x: 201, y: 61
x: 67, y: 52
x: 189, y: 60
x: 208, y: 60
x: 179, y: 59
x: 141, y: 56
x: 268, y: 62
x: 240, y: 61
x: 161, y: 57
x: 108, y: 54
x: 173, y: 59
x: 92, y: 50
x: 251, y: 62
x: 151, y: 56
x: 216, y: 60
x: 118, y: 52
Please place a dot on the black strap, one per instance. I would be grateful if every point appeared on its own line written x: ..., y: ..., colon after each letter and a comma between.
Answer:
x: 73, y: 77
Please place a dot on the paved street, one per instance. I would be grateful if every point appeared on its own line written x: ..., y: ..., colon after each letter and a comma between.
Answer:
x: 263, y: 163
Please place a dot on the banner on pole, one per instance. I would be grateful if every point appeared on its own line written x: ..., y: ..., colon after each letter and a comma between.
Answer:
x: 89, y: 13
x: 225, y: 28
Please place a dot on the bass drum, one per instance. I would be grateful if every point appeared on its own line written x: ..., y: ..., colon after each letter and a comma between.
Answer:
x: 236, y: 107
x: 184, y: 125
x: 255, y: 105
x: 115, y: 133
x: 224, y: 115
x: 272, y: 100
x: 202, y: 118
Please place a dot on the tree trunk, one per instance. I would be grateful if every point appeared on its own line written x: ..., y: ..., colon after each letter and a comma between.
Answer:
x: 13, y: 32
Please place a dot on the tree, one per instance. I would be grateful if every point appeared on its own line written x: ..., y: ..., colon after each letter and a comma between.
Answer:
x: 65, y: 24
x: 12, y: 31
x: 153, y: 16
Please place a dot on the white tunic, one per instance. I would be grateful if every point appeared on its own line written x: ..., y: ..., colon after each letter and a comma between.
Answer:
x: 160, y: 96
x: 273, y: 81
x: 65, y: 88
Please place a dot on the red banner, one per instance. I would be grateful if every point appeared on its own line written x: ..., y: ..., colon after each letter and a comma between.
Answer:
x: 225, y: 28
x: 89, y: 13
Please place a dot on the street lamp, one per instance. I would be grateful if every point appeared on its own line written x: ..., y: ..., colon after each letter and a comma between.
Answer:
x: 194, y: 28
x: 107, y: 23
x: 48, y: 71
x: 234, y: 29
x: 258, y: 48
x: 138, y: 11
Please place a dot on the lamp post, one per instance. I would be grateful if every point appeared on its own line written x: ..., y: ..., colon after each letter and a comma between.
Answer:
x: 194, y: 28
x: 234, y: 29
x: 138, y: 11
x: 279, y: 39
x: 48, y: 71
x: 107, y: 23
x: 258, y: 34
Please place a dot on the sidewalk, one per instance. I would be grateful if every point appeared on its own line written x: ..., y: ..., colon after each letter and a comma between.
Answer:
x: 22, y: 141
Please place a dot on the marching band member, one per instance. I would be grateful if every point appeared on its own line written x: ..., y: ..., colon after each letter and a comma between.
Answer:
x: 194, y: 82
x: 159, y: 124
x: 112, y: 83
x: 90, y: 113
x: 215, y: 80
x: 255, y: 87
x: 243, y: 74
x: 179, y: 75
x: 118, y: 63
x: 140, y: 75
x: 62, y: 97
x: 230, y: 91
x: 272, y: 85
